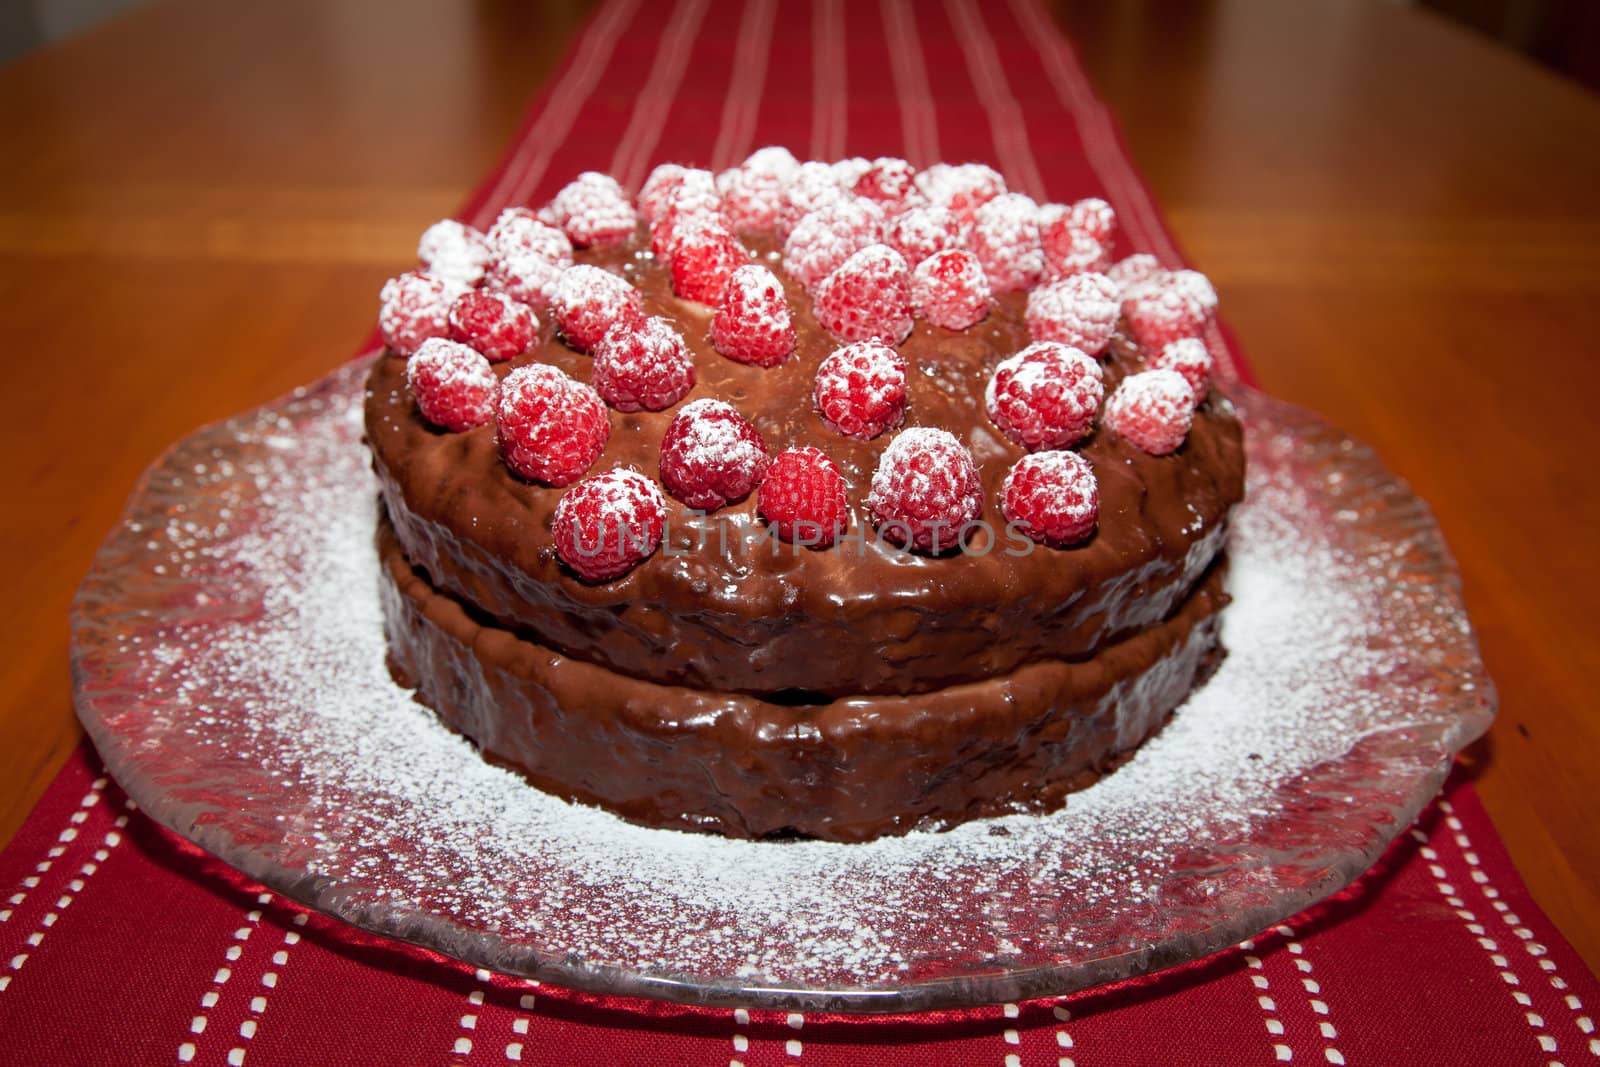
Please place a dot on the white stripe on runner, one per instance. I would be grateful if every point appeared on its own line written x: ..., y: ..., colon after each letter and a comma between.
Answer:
x: 919, y: 124
x: 1006, y: 125
x: 828, y: 82
x: 654, y: 103
x: 742, y: 107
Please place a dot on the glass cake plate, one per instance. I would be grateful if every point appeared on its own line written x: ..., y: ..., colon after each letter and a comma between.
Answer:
x: 228, y: 660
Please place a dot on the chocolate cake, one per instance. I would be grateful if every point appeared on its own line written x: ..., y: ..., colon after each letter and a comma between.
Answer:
x: 893, y: 502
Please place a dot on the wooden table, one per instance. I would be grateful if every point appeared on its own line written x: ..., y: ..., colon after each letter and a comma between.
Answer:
x: 200, y: 201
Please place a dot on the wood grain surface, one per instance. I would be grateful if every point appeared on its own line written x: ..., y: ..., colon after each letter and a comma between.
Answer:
x: 200, y: 201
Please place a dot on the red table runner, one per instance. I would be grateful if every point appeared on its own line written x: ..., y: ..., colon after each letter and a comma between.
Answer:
x: 120, y: 943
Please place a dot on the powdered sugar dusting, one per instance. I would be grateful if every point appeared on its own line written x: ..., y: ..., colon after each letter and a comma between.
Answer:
x: 230, y: 658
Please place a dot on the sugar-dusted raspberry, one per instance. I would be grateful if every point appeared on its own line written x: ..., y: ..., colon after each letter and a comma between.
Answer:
x: 711, y: 455
x: 918, y: 232
x: 593, y: 210
x: 962, y: 188
x: 868, y: 298
x: 704, y: 255
x: 889, y: 181
x: 415, y: 307
x: 517, y: 231
x: 1160, y: 312
x: 526, y: 278
x: 661, y: 183
x: 642, y: 365
x: 949, y: 289
x: 1153, y: 410
x: 1080, y: 310
x: 588, y: 300
x: 824, y: 239
x: 453, y: 251
x: 848, y: 171
x: 1069, y: 249
x: 753, y: 192
x: 550, y: 428
x: 1052, y: 497
x: 492, y: 323
x: 1197, y: 286
x: 925, y: 493
x: 813, y: 186
x: 1005, y: 238
x: 753, y: 324
x: 1045, y: 396
x: 803, y: 498
x: 1096, y: 218
x: 861, y: 390
x: 606, y: 525
x: 1190, y: 357
x: 454, y: 386
x: 1134, y: 270
x: 693, y: 199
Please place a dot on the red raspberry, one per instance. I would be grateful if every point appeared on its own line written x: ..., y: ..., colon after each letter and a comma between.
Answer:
x: 1069, y: 250
x: 824, y: 239
x: 454, y: 386
x: 753, y: 193
x: 454, y: 252
x: 642, y: 365
x: 1080, y: 311
x: 550, y: 428
x: 1094, y: 217
x: 754, y: 324
x: 949, y: 289
x: 1135, y: 269
x: 711, y: 456
x: 1005, y: 238
x: 1052, y: 497
x: 925, y: 491
x: 814, y: 185
x: 868, y: 298
x: 704, y: 256
x: 695, y: 199
x: 889, y: 182
x: 861, y: 390
x: 1190, y: 357
x: 1153, y: 410
x: 594, y: 210
x: 803, y: 498
x: 588, y: 300
x: 849, y: 171
x: 606, y: 525
x: 492, y: 323
x: 962, y: 189
x: 1198, y: 286
x: 517, y: 231
x: 1159, y: 312
x: 415, y: 308
x: 1045, y: 396
x: 526, y: 278
x: 919, y: 232
x: 661, y: 184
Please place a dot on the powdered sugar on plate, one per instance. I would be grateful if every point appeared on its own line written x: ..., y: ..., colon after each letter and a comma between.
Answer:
x: 229, y: 659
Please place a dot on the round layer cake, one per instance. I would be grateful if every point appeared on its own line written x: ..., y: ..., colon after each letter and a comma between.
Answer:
x: 729, y: 673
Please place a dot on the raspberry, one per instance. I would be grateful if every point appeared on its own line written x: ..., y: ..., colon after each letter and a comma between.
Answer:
x: 849, y: 171
x: 868, y: 298
x: 517, y: 231
x: 813, y: 186
x: 526, y: 278
x: 925, y: 491
x: 962, y: 189
x: 492, y: 323
x: 711, y: 456
x: 753, y: 193
x: 1159, y: 311
x: 1198, y: 286
x: 1045, y: 396
x: 593, y: 210
x: 949, y: 289
x: 1080, y: 311
x: 754, y: 324
x: 642, y: 365
x: 550, y: 428
x: 1005, y: 238
x: 1137, y: 268
x: 704, y: 255
x: 803, y: 498
x: 919, y: 232
x: 588, y: 300
x: 694, y: 198
x: 1052, y: 497
x: 453, y: 385
x: 1069, y: 250
x: 606, y: 525
x: 661, y: 184
x: 415, y: 308
x: 1190, y: 357
x: 861, y: 390
x: 824, y: 239
x: 1153, y: 410
x: 889, y: 182
x: 1094, y: 217
x: 454, y: 252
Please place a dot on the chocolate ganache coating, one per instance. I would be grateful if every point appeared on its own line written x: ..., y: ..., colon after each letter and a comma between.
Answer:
x: 724, y: 609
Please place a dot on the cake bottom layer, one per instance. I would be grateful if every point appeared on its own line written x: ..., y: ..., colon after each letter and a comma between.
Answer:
x: 850, y: 769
